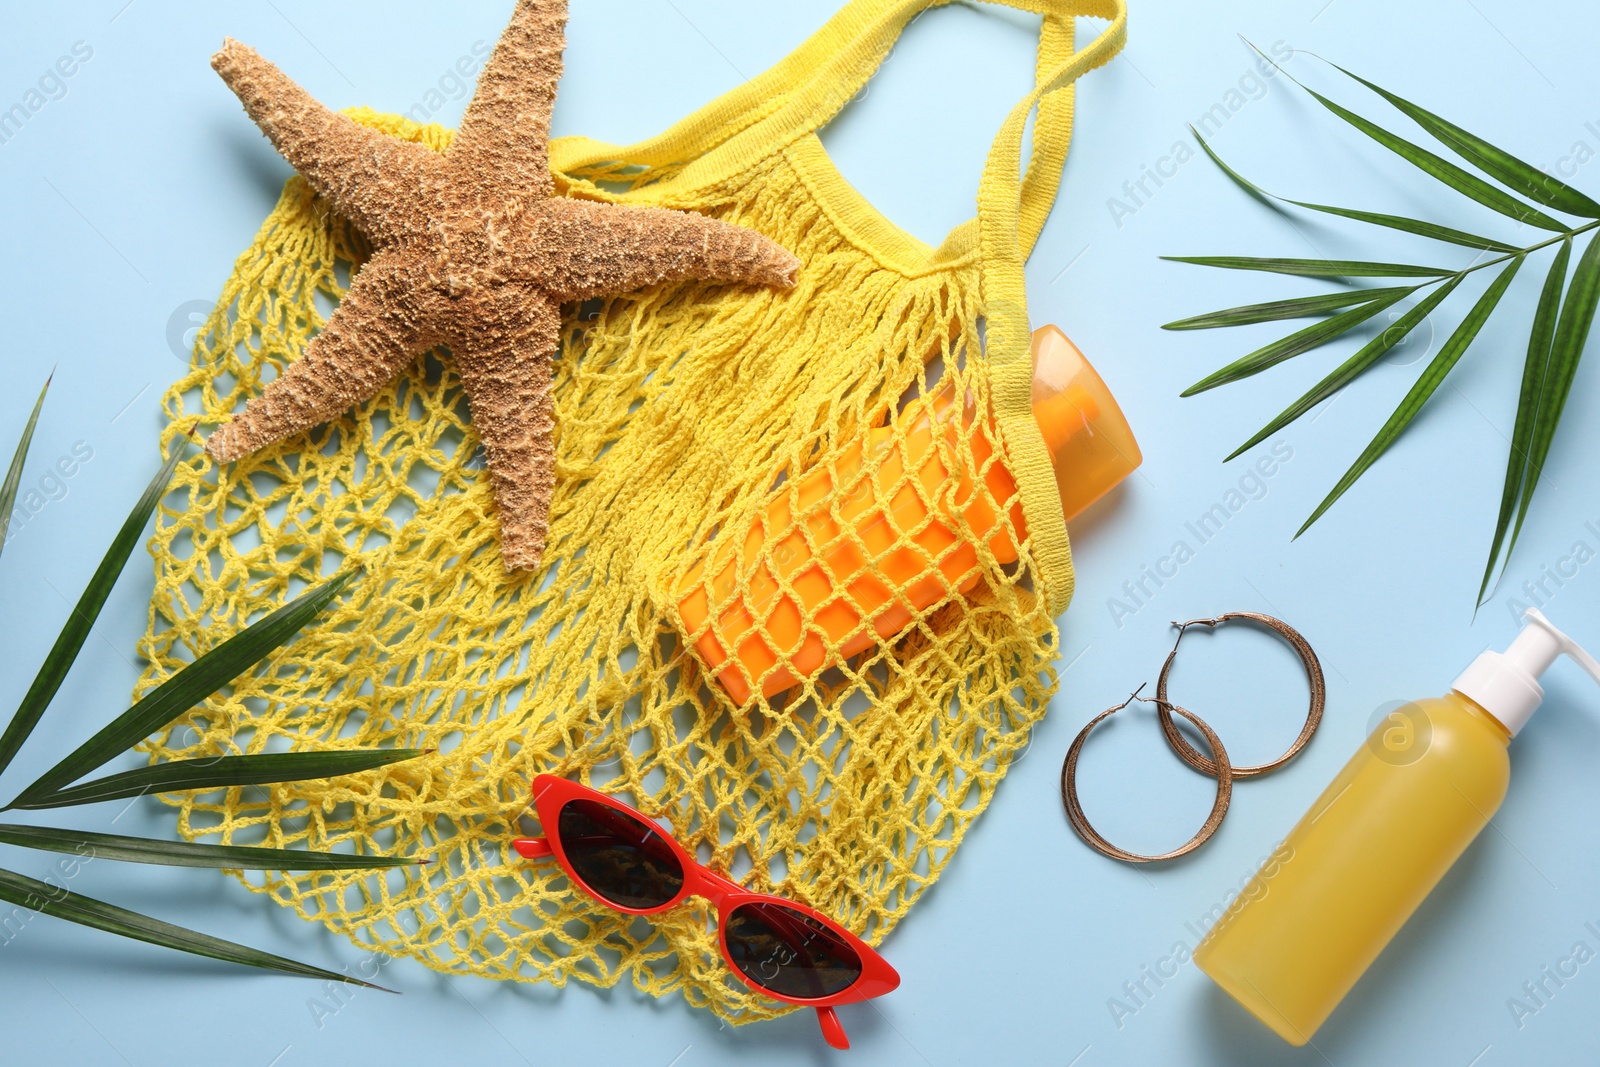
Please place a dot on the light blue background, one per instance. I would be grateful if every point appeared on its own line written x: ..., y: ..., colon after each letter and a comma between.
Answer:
x: 129, y: 198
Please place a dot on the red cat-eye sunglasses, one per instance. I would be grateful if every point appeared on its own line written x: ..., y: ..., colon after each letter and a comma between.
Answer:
x: 778, y: 947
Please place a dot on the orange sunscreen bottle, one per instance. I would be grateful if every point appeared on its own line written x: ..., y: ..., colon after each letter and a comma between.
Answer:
x: 876, y: 540
x: 1379, y: 838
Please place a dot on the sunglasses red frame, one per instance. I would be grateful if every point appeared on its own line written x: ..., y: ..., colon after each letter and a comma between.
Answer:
x: 551, y: 794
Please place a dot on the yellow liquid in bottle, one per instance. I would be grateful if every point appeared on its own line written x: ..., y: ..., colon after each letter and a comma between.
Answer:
x: 1353, y: 870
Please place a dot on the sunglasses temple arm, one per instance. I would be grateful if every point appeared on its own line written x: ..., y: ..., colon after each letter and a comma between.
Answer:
x: 533, y: 848
x: 832, y: 1029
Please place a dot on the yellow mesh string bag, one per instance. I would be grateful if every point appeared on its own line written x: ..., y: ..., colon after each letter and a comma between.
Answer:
x: 680, y: 411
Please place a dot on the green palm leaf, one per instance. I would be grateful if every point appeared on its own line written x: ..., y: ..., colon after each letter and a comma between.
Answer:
x: 1557, y: 340
x: 1299, y: 307
x: 1304, y: 340
x: 1566, y: 350
x: 1533, y: 375
x: 223, y: 772
x: 30, y: 893
x: 1433, y: 165
x: 1416, y: 226
x: 1460, y: 180
x: 1351, y: 368
x: 1499, y: 164
x: 1313, y: 268
x: 76, y: 630
x: 185, y: 854
x: 8, y: 489
x: 199, y: 680
x: 1394, y: 222
x: 1439, y: 369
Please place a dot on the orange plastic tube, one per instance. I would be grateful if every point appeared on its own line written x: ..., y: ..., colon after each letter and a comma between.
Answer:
x: 852, y: 572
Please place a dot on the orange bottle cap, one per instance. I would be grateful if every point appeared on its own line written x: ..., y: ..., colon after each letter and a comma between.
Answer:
x: 1090, y: 442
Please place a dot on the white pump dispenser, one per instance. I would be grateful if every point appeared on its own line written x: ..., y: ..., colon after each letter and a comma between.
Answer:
x: 1506, y: 684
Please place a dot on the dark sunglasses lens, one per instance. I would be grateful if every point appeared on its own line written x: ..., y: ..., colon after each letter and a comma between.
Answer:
x: 622, y: 859
x: 789, y: 953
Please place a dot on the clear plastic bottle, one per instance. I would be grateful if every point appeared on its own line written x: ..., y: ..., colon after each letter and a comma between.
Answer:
x: 1378, y: 840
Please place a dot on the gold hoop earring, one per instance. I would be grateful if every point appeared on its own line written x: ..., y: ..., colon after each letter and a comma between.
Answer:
x: 1308, y: 658
x: 1080, y: 821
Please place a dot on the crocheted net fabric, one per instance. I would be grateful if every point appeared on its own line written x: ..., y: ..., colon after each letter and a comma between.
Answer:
x: 679, y: 410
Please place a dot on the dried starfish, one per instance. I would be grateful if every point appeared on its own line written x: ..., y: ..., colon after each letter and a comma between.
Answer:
x: 472, y: 250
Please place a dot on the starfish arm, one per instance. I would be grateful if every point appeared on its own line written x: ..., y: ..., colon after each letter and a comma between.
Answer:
x: 504, y: 136
x: 505, y: 369
x: 374, y: 334
x: 371, y: 178
x: 578, y: 249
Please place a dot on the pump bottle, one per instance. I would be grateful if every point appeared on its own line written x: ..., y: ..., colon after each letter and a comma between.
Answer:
x: 1378, y: 840
x: 889, y: 528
